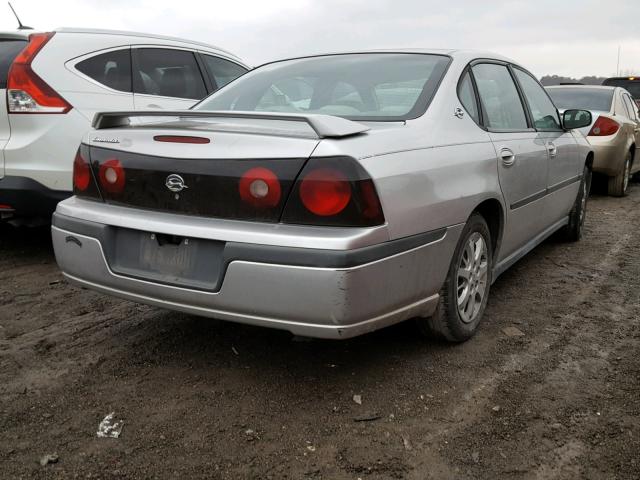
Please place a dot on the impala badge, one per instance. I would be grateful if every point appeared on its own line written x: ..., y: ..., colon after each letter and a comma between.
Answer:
x: 175, y: 183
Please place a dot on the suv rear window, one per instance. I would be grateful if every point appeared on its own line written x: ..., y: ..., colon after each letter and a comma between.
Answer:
x: 9, y: 49
x: 632, y: 86
x: 111, y: 69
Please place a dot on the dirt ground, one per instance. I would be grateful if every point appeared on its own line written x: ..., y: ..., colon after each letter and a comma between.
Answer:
x: 208, y: 399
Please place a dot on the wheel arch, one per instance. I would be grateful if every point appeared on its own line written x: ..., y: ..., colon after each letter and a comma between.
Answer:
x: 493, y: 213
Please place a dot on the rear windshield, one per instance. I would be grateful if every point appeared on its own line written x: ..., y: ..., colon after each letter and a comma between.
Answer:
x: 582, y: 98
x: 9, y: 50
x: 632, y: 86
x: 370, y: 86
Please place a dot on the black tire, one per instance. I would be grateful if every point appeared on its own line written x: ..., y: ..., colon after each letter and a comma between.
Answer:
x: 447, y: 322
x: 573, y: 230
x: 619, y: 184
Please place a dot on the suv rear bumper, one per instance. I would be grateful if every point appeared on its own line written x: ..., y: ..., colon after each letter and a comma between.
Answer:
x: 350, y: 293
x: 26, y: 197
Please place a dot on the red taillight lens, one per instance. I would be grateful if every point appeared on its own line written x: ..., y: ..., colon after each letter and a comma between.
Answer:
x: 26, y: 91
x: 81, y: 173
x: 325, y: 191
x: 336, y: 192
x: 112, y: 176
x: 260, y: 187
x: 181, y: 139
x: 603, y: 127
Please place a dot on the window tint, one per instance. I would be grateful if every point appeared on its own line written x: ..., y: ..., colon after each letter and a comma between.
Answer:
x: 499, y: 97
x: 581, y: 98
x: 222, y: 71
x: 468, y: 97
x: 631, y: 107
x: 168, y: 73
x: 543, y: 111
x: 367, y: 86
x: 9, y: 49
x: 112, y: 69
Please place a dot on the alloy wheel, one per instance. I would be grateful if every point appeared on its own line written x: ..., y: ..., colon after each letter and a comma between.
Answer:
x: 473, y: 270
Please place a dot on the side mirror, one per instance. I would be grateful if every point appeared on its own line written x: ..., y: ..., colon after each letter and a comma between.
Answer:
x: 576, y: 119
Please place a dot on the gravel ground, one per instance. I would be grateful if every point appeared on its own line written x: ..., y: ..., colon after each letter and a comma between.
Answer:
x: 207, y: 399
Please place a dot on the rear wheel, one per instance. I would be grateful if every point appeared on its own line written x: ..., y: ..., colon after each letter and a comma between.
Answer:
x: 463, y: 297
x: 573, y: 231
x: 619, y: 184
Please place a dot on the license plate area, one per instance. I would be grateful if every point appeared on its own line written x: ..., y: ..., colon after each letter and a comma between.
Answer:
x: 167, y: 259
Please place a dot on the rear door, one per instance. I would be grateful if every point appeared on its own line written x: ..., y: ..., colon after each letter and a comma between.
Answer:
x: 565, y: 168
x: 9, y: 49
x: 521, y: 151
x: 632, y: 111
x: 166, y: 78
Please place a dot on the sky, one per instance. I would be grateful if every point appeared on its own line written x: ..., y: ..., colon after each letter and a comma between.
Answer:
x: 563, y: 37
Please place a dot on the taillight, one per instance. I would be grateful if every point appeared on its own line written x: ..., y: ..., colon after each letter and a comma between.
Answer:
x: 112, y: 176
x: 260, y: 188
x: 325, y: 191
x: 26, y: 91
x: 334, y: 191
x: 603, y: 127
x: 81, y: 173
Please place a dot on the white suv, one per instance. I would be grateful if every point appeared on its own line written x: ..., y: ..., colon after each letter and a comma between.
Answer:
x: 55, y: 82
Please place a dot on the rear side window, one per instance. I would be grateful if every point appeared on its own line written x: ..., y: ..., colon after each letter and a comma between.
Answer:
x: 9, y: 49
x: 222, y: 71
x: 468, y: 97
x: 631, y: 107
x: 111, y: 69
x: 499, y: 97
x: 167, y: 73
x: 543, y: 111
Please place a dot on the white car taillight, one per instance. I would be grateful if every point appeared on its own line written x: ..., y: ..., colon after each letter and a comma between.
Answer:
x: 26, y: 91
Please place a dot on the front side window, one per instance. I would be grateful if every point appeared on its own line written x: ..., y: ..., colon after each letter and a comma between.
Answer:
x: 467, y: 96
x: 168, y: 73
x: 372, y: 86
x: 499, y: 97
x: 222, y: 71
x: 111, y: 69
x: 543, y: 111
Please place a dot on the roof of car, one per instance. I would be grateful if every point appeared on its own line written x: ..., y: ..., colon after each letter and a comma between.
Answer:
x: 595, y: 87
x: 16, y: 34
x: 464, y: 54
x: 142, y: 35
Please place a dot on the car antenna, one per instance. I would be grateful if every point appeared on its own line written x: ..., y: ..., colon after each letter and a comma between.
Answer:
x: 20, y: 25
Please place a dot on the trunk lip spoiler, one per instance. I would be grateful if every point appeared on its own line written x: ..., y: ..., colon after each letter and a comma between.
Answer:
x: 324, y: 126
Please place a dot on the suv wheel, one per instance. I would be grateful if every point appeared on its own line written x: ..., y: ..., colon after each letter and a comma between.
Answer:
x: 463, y: 297
x: 618, y: 185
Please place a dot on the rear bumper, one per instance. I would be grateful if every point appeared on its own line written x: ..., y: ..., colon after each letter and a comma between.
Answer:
x: 325, y: 294
x: 608, y: 157
x: 26, y: 197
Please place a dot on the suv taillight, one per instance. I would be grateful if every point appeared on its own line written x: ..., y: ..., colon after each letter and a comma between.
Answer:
x: 603, y: 127
x: 26, y: 91
x: 334, y: 191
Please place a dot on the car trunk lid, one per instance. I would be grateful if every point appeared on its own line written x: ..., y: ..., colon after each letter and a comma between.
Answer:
x: 227, y: 165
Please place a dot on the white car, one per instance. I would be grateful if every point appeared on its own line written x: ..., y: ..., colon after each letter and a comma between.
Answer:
x: 52, y: 84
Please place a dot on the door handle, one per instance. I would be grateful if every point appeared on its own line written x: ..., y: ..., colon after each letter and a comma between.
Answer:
x: 508, y: 157
x: 552, y: 149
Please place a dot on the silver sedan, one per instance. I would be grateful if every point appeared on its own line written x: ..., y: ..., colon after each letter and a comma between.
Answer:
x: 329, y: 195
